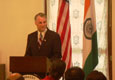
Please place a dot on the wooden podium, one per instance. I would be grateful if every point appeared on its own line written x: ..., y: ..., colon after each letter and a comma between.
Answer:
x: 29, y: 64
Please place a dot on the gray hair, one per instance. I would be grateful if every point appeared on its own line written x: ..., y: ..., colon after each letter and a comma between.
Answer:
x: 41, y: 15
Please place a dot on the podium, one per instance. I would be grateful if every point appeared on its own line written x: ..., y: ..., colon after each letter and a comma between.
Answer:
x: 29, y: 64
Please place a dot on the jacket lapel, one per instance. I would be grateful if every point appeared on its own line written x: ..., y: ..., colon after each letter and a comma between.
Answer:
x: 45, y: 38
x: 36, y: 43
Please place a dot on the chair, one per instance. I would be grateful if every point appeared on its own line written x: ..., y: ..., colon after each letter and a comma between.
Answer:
x: 30, y: 77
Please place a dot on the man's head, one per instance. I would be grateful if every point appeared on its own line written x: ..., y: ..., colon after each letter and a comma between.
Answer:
x: 96, y: 75
x: 57, y: 69
x: 74, y: 73
x: 41, y: 21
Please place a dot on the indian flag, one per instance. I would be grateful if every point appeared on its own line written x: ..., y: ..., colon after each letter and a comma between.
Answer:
x: 90, y: 47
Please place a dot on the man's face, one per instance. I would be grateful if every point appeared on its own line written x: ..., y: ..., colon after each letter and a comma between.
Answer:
x: 41, y: 23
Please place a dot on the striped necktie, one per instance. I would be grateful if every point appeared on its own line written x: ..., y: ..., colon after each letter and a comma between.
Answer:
x: 41, y: 38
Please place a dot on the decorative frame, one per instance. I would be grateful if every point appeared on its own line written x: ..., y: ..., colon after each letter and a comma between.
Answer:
x: 110, y: 38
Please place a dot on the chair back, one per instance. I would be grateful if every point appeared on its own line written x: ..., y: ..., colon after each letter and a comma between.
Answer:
x: 30, y: 77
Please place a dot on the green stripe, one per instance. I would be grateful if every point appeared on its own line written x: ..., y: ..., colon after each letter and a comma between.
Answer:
x: 92, y: 59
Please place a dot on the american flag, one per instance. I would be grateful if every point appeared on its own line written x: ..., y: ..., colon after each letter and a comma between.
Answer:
x: 64, y: 30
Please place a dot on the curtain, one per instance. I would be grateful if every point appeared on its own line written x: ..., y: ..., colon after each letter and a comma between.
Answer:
x: 76, y: 21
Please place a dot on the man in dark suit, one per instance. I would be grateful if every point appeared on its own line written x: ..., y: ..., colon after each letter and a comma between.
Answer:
x: 43, y: 42
x: 50, y: 44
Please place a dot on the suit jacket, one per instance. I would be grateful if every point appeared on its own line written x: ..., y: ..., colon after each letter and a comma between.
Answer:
x: 50, y: 47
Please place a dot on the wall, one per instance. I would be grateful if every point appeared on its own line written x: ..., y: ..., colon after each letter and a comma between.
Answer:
x: 113, y: 39
x: 16, y: 22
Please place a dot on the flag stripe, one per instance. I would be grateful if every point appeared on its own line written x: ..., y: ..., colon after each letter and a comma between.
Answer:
x: 70, y: 58
x: 64, y: 27
x: 62, y: 21
x: 64, y: 30
x: 61, y: 9
x: 91, y: 60
x: 65, y: 39
x: 87, y: 5
x: 65, y: 52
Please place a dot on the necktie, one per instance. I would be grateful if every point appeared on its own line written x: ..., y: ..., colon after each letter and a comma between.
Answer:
x: 41, y: 38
